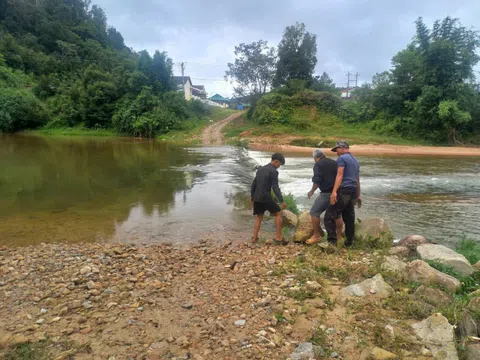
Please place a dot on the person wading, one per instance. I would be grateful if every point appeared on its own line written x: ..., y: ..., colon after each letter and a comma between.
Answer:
x: 345, y: 193
x: 265, y: 181
x: 324, y: 175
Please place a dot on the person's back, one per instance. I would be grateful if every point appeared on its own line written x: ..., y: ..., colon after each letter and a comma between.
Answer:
x: 325, y: 174
x: 351, y: 172
x: 264, y: 181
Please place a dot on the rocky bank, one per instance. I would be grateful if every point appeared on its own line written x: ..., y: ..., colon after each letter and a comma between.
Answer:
x: 117, y: 301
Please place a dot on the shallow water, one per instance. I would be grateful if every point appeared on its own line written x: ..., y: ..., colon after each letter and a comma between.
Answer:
x: 84, y: 189
x: 436, y: 197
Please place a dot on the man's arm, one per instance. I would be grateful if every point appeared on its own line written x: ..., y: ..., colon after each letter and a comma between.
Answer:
x: 253, y: 188
x: 316, y: 179
x: 338, y: 182
x: 276, y: 188
x: 311, y: 192
x: 358, y: 187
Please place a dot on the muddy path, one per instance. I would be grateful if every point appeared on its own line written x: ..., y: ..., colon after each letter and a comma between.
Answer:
x: 212, y: 135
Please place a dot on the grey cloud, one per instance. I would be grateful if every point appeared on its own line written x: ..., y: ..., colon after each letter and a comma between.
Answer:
x: 355, y: 35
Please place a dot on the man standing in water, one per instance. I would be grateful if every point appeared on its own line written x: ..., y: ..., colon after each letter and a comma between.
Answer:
x: 265, y: 181
x: 324, y: 174
x: 345, y: 193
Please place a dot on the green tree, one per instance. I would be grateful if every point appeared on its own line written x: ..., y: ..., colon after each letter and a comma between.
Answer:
x: 296, y: 55
x: 323, y: 83
x: 253, y: 70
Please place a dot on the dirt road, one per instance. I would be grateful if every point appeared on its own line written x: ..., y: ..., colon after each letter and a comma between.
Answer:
x: 212, y: 135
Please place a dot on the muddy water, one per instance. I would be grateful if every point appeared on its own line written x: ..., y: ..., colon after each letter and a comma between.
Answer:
x: 84, y: 189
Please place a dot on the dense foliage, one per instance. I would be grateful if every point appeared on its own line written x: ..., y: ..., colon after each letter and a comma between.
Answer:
x: 430, y: 92
x: 62, y: 65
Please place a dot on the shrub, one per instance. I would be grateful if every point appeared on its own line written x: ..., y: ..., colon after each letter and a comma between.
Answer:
x: 20, y: 109
x: 470, y: 249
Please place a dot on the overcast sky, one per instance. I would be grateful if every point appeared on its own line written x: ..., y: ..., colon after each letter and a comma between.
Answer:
x: 352, y: 35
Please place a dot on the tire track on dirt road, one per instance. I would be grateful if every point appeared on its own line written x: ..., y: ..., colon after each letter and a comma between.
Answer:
x: 212, y: 135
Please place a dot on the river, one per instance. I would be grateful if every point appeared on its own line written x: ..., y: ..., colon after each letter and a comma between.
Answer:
x: 102, y: 189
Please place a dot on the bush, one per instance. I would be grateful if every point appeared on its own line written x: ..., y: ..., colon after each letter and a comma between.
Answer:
x: 20, y: 109
x: 199, y: 109
x: 470, y: 249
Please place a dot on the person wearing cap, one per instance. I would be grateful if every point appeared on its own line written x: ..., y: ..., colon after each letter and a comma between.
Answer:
x: 345, y: 193
x: 324, y: 175
x: 265, y: 181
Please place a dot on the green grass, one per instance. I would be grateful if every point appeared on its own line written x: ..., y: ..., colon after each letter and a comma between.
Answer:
x: 470, y: 249
x: 74, y: 131
x: 28, y: 352
x: 315, y: 127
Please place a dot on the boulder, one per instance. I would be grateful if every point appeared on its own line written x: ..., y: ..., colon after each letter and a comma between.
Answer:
x: 445, y: 256
x: 289, y: 218
x: 476, y: 267
x: 373, y: 233
x: 412, y: 241
x: 372, y: 289
x: 420, y: 272
x: 438, y: 336
x: 468, y: 326
x: 474, y: 304
x: 307, y: 351
x: 394, y: 265
x: 399, y: 251
x: 472, y: 352
x: 435, y: 297
x: 381, y: 354
x: 304, y: 229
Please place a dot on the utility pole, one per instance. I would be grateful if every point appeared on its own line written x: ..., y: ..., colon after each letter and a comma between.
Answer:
x: 349, y: 81
x: 182, y: 66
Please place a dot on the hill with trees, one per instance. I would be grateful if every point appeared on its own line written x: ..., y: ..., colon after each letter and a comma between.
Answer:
x: 62, y: 65
x: 430, y: 94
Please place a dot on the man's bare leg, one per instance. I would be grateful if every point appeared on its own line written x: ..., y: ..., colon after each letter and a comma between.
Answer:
x: 318, y: 233
x: 278, y: 226
x: 256, y: 227
x: 339, y: 224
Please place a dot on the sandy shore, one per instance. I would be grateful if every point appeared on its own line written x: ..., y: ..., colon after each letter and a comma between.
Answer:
x: 393, y: 150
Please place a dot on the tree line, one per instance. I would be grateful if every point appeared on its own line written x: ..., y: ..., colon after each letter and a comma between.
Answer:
x: 62, y: 65
x: 430, y: 92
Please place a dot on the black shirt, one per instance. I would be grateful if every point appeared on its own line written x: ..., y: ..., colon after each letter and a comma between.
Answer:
x: 266, y: 180
x: 324, y: 174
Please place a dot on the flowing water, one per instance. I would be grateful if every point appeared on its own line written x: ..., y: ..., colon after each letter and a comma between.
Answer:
x: 87, y: 189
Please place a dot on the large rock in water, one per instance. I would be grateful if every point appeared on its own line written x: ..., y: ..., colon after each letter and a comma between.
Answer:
x: 445, y: 256
x: 372, y: 289
x: 419, y: 271
x: 373, y: 233
x: 289, y: 218
x: 304, y: 228
x: 438, y: 336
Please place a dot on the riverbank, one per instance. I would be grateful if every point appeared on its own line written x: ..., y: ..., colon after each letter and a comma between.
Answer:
x: 117, y: 301
x: 373, y: 150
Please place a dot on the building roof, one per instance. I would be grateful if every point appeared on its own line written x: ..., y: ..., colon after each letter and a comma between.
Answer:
x: 178, y: 80
x: 199, y: 87
x: 218, y: 97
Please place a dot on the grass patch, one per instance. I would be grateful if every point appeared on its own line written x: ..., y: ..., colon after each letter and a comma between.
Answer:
x: 470, y: 249
x: 74, y: 131
x: 28, y: 352
x: 306, y: 121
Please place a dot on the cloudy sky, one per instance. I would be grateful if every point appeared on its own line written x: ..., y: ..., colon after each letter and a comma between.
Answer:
x: 352, y: 35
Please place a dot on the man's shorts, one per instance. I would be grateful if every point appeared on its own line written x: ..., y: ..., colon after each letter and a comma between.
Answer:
x: 271, y: 206
x: 320, y: 205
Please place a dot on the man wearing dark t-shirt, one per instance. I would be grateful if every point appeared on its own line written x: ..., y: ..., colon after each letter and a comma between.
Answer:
x: 265, y: 181
x: 324, y: 174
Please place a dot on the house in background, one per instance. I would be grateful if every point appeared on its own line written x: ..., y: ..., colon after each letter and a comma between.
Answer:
x: 220, y: 100
x: 199, y: 91
x: 180, y: 81
x: 347, y: 93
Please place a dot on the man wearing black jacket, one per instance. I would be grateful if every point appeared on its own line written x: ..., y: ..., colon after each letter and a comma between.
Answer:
x: 324, y: 174
x: 265, y: 181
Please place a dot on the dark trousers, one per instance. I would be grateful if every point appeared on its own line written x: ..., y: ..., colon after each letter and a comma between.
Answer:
x: 345, y: 208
